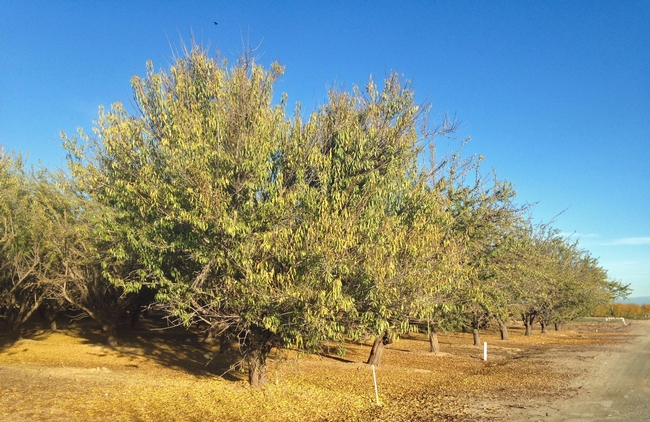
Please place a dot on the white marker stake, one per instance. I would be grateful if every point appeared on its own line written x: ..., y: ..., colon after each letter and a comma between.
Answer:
x: 485, y: 351
x: 374, y: 377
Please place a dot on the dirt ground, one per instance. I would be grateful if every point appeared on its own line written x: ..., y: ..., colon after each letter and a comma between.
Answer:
x: 614, y: 385
x: 589, y: 371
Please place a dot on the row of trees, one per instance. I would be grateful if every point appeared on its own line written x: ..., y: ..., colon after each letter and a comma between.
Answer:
x: 280, y: 231
x: 623, y: 310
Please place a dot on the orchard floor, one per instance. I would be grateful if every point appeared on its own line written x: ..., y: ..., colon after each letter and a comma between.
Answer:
x: 170, y: 375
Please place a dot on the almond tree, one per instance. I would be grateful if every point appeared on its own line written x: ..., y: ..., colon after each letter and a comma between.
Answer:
x: 483, y: 218
x: 52, y: 252
x: 388, y: 248
x: 85, y: 266
x: 214, y: 195
x: 26, y: 233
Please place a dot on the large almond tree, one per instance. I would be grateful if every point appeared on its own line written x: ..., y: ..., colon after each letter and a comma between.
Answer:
x: 214, y: 190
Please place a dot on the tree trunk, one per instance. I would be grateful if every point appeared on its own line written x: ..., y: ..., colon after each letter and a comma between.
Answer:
x: 543, y: 324
x: 256, y: 346
x: 49, y: 311
x: 433, y: 341
x: 377, y: 350
x: 257, y: 372
x: 15, y: 330
x: 18, y: 316
x: 529, y: 319
x: 558, y: 326
x: 503, y: 327
x: 14, y: 324
x: 477, y: 337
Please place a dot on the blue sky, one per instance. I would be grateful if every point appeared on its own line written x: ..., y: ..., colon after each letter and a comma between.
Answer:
x: 555, y: 95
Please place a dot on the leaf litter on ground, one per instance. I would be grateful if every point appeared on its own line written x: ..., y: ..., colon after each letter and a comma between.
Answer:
x: 68, y: 375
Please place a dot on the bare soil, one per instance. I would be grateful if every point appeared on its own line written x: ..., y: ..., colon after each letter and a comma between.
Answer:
x: 613, y: 385
x: 157, y: 375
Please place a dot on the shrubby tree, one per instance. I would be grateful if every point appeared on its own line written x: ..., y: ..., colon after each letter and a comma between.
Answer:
x: 27, y: 231
x: 52, y: 253
x: 483, y: 217
x: 389, y: 251
x: 86, y: 266
x: 509, y: 265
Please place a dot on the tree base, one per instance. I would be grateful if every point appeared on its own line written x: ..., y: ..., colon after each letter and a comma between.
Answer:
x: 377, y: 350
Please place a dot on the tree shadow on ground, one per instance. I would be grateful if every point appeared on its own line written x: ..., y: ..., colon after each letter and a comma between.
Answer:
x: 28, y: 330
x: 173, y: 347
x: 177, y: 347
x: 337, y: 358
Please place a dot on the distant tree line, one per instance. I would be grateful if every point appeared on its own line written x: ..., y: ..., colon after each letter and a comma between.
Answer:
x: 623, y: 310
x: 280, y: 230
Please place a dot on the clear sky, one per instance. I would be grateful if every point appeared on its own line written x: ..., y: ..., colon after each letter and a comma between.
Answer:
x: 555, y: 95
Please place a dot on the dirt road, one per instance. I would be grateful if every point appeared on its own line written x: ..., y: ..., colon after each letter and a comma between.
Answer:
x: 616, y: 387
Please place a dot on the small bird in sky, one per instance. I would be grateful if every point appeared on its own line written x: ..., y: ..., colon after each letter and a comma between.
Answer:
x: 216, y: 23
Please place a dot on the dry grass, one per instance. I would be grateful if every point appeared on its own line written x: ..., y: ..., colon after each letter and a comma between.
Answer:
x: 69, y: 375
